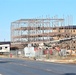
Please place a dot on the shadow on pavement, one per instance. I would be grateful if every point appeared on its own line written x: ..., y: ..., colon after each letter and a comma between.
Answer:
x: 5, y: 61
x: 69, y: 74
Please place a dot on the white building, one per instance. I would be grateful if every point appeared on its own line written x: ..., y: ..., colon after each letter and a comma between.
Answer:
x: 4, y: 48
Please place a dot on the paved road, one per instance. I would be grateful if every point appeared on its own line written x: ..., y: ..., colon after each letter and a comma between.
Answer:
x: 27, y: 67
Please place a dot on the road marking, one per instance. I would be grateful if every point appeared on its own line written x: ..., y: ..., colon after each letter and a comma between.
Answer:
x: 54, y: 71
x: 22, y: 64
x: 0, y: 74
x: 48, y: 70
x: 19, y: 64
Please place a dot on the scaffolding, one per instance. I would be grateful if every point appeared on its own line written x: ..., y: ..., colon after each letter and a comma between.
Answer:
x: 35, y: 31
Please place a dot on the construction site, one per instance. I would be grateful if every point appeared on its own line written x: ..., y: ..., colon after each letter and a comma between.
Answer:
x: 47, y: 31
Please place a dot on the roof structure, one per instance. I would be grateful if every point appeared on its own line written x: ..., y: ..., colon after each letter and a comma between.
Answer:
x: 69, y: 26
x: 5, y: 42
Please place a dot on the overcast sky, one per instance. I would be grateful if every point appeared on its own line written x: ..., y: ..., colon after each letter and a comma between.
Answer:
x: 11, y: 10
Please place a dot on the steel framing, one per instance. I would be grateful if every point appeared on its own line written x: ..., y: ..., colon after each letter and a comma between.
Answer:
x: 33, y: 31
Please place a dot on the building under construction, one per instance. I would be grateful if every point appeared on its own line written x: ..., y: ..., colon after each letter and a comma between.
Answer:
x: 40, y: 30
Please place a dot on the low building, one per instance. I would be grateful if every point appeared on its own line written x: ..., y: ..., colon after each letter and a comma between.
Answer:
x: 4, y: 47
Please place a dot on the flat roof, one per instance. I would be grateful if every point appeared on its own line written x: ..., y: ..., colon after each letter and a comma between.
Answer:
x: 5, y: 42
x: 69, y: 27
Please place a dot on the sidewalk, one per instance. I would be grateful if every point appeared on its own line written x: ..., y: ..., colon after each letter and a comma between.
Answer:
x: 73, y: 61
x: 58, y: 61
